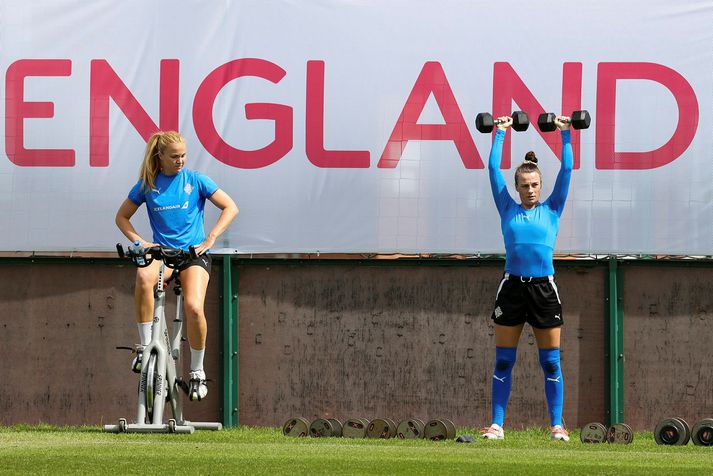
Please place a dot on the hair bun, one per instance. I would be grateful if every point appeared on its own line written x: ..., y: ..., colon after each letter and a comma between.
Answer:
x: 531, y: 157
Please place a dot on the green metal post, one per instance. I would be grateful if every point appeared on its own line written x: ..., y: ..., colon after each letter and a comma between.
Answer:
x: 230, y: 344
x: 615, y: 351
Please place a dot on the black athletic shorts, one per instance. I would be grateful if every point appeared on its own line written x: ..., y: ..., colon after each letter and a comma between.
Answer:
x: 204, y: 261
x: 532, y: 300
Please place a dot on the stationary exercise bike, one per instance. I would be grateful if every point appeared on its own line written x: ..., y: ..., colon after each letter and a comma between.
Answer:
x: 159, y: 381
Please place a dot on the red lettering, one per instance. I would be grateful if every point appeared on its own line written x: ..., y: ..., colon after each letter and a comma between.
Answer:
x: 279, y: 113
x: 314, y: 125
x: 431, y: 80
x: 17, y: 110
x: 607, y: 76
x: 105, y: 84
x: 508, y: 87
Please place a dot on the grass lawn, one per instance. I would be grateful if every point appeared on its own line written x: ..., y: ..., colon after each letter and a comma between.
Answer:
x: 86, y: 450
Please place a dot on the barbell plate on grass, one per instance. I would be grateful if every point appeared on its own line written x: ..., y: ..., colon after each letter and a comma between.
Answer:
x: 336, y: 427
x: 450, y: 428
x: 355, y: 428
x: 687, y: 429
x: 392, y: 427
x: 436, y: 430
x: 296, y: 426
x: 670, y: 431
x: 620, y: 433
x: 628, y: 431
x: 380, y: 428
x: 321, y: 428
x: 702, y: 432
x: 411, y: 429
x: 593, y: 433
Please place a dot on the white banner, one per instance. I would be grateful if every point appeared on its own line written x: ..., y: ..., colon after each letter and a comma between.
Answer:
x: 342, y: 126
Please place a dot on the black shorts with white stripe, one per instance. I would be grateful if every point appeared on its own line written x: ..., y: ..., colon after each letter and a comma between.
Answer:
x: 532, y: 300
x: 204, y: 261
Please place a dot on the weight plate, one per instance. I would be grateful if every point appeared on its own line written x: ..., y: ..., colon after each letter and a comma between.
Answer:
x: 670, y: 431
x: 702, y: 432
x: 296, y: 427
x: 411, y: 429
x: 450, y: 427
x: 593, y: 433
x: 629, y: 430
x: 381, y: 428
x: 435, y: 430
x: 355, y: 428
x: 392, y: 426
x: 620, y: 433
x: 687, y: 428
x: 336, y: 427
x: 321, y: 428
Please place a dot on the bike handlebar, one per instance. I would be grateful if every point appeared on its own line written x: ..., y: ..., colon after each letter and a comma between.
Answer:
x: 172, y: 257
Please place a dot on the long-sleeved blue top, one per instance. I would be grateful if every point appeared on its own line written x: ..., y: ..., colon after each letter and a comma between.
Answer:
x: 530, y: 234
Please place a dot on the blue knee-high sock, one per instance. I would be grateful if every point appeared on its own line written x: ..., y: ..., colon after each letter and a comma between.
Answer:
x: 554, y: 387
x: 502, y: 381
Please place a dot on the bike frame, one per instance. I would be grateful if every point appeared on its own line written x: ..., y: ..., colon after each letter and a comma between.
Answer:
x: 159, y: 377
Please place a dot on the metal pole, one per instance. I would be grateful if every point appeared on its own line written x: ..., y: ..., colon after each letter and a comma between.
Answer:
x: 615, y: 351
x: 229, y: 346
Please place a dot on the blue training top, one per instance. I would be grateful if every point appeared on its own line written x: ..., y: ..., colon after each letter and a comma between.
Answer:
x: 530, y: 234
x: 175, y: 207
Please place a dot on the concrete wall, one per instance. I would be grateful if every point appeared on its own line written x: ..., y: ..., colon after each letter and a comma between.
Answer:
x: 346, y: 339
x: 349, y: 340
x: 59, y: 326
x: 668, y: 318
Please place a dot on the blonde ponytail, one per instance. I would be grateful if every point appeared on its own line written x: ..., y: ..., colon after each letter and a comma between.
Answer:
x: 154, y: 147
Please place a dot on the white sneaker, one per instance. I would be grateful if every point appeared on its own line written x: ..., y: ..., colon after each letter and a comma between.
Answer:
x: 197, y: 389
x: 493, y: 432
x: 557, y: 433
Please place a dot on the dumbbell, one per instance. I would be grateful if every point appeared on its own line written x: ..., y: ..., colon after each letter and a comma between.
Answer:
x: 579, y: 120
x: 484, y: 121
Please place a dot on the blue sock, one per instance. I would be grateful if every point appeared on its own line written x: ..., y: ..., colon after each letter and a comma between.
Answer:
x: 554, y: 387
x: 502, y: 381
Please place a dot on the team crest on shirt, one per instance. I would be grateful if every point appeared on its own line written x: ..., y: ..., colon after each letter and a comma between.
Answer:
x: 188, y: 188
